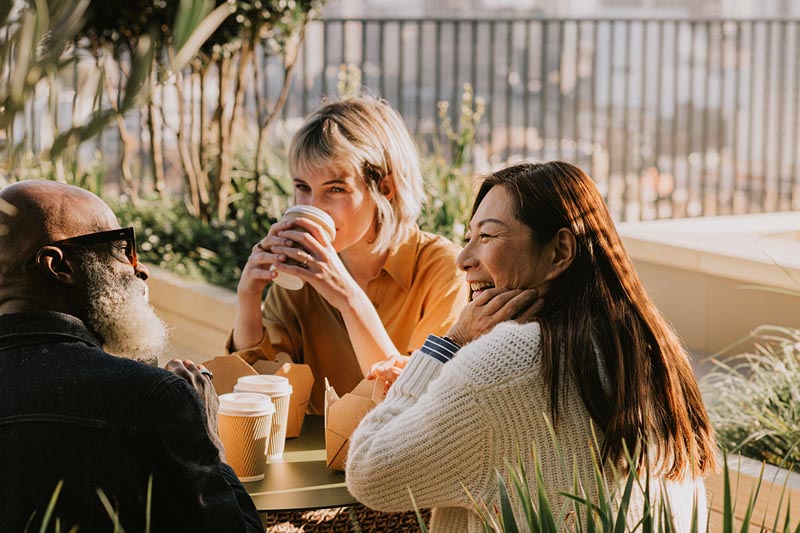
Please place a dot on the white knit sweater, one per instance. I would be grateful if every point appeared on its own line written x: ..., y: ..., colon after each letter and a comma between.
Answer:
x: 444, y: 428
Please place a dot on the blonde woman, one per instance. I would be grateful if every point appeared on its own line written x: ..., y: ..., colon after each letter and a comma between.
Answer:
x: 374, y: 292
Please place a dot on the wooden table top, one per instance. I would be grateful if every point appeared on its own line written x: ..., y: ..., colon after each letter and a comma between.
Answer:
x: 301, y: 481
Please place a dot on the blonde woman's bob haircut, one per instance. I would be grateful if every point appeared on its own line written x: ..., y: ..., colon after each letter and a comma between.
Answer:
x: 365, y: 136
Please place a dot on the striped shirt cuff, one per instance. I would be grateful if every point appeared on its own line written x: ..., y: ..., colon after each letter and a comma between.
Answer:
x: 440, y: 348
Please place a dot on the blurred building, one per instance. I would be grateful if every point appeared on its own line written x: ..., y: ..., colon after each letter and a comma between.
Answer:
x: 489, y: 8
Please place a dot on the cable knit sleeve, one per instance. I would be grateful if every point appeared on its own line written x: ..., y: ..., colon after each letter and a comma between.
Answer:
x: 420, y: 438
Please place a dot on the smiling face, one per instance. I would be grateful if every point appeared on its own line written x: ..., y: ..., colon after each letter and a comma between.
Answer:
x: 500, y: 250
x: 344, y: 196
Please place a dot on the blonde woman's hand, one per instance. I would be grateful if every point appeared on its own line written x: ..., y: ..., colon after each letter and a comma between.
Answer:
x: 256, y: 272
x: 491, y: 307
x: 315, y: 260
x: 389, y: 369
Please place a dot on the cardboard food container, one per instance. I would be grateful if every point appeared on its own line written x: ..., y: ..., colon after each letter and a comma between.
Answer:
x: 342, y: 416
x: 228, y: 369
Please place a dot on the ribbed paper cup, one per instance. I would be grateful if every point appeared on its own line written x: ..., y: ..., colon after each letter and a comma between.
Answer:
x: 277, y: 438
x: 245, y: 422
x: 319, y: 216
x: 279, y: 391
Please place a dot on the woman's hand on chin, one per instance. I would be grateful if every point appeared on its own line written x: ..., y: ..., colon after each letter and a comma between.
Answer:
x: 491, y: 307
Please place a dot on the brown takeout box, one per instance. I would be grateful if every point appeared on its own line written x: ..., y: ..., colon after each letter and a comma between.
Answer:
x: 228, y: 369
x: 342, y: 416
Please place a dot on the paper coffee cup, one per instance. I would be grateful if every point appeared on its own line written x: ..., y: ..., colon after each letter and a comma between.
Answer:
x: 244, y: 421
x: 279, y: 391
x: 319, y: 216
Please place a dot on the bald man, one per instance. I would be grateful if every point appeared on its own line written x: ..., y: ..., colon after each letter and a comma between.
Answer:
x: 72, y: 293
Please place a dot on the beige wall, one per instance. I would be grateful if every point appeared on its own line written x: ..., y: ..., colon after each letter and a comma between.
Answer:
x: 695, y: 270
x: 711, y: 312
x: 717, y: 278
x: 200, y: 315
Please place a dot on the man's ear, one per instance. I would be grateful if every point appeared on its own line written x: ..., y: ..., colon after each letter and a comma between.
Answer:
x: 51, y: 261
x: 387, y: 186
x: 561, y: 252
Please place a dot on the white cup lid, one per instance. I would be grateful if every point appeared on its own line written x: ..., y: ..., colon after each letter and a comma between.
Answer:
x: 264, y: 384
x: 317, y: 213
x: 245, y: 403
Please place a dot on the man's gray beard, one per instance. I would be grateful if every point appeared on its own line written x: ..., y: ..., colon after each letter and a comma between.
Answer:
x: 119, y: 312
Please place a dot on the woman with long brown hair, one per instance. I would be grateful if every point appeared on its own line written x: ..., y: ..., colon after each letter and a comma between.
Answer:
x: 592, y: 355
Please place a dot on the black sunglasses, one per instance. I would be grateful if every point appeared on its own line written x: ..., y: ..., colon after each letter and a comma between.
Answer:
x: 103, y: 237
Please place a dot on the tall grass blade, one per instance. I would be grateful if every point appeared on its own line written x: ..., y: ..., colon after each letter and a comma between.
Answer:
x: 787, y: 522
x: 647, y: 508
x: 545, y: 513
x: 507, y: 519
x: 748, y: 515
x: 727, y: 507
x: 51, y: 505
x: 603, y: 504
x: 622, y: 513
x: 780, y: 506
x: 694, y: 524
x: 422, y: 527
x: 554, y: 440
x: 521, y: 487
x: 112, y: 513
x: 148, y: 504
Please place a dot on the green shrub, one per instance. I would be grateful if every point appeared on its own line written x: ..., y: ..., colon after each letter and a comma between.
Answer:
x: 607, y: 513
x: 754, y: 398
x: 448, y: 170
x: 215, y: 250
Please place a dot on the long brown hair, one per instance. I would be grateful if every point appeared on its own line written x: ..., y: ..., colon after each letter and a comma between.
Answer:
x: 598, y: 320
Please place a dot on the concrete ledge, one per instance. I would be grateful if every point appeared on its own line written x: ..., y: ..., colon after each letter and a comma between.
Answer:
x: 717, y: 278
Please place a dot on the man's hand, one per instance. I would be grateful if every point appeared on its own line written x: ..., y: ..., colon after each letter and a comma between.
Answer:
x: 202, y: 384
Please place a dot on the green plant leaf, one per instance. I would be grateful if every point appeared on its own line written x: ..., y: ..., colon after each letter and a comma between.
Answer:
x: 51, y: 505
x: 545, y: 513
x: 748, y: 515
x: 148, y: 504
x: 422, y: 527
x: 200, y: 34
x: 480, y: 511
x: 140, y: 71
x: 190, y: 13
x: 507, y: 519
x: 727, y: 507
x: 42, y: 19
x: 522, y: 489
x: 622, y: 513
x: 112, y: 513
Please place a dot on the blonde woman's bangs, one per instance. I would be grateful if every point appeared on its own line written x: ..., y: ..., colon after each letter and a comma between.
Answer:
x: 368, y: 138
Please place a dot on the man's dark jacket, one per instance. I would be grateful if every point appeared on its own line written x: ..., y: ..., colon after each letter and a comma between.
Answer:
x: 70, y: 411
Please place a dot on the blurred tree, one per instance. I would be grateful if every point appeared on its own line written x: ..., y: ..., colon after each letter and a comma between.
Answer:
x: 232, y: 56
x: 36, y: 38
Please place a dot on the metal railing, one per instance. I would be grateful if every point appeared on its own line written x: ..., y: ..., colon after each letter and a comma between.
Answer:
x: 671, y: 117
